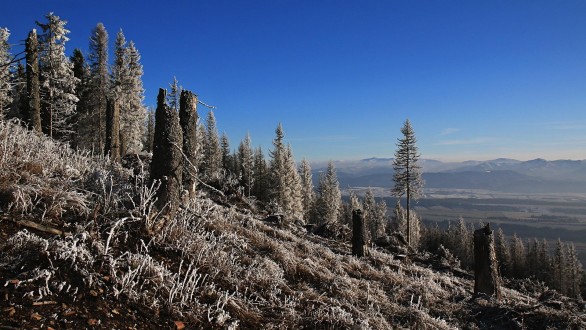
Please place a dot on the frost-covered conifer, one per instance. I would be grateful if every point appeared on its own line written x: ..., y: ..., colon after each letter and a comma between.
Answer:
x: 33, y: 112
x: 294, y: 204
x: 227, y: 161
x: 150, y: 131
x: 84, y: 129
x: 518, y: 257
x: 18, y: 107
x: 261, y: 180
x: 407, y: 175
x: 58, y: 84
x: 246, y: 164
x: 99, y: 88
x: 308, y: 192
x: 174, y: 94
x: 328, y: 196
x: 5, y: 69
x: 212, y: 152
x: 502, y: 253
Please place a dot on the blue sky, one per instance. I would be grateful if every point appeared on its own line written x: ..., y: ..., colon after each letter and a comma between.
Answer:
x: 477, y: 79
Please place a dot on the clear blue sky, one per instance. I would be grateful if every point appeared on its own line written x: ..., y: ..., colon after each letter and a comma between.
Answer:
x: 478, y: 79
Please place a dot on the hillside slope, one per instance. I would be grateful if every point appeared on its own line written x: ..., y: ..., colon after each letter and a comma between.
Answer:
x: 76, y: 254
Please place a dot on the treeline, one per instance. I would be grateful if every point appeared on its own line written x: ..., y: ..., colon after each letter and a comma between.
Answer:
x: 66, y: 97
x: 557, y: 268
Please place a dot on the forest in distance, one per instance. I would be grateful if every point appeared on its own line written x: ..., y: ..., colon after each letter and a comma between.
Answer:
x: 104, y: 201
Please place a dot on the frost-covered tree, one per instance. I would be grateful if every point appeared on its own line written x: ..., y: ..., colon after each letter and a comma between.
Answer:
x: 502, y: 253
x: 84, y: 129
x: 307, y: 189
x: 407, y: 175
x: 328, y: 196
x: 99, y: 87
x: 33, y: 112
x: 212, y: 149
x: 133, y: 111
x: 227, y: 159
x: 294, y: 204
x: 18, y: 107
x: 574, y: 272
x: 369, y: 211
x: 58, y: 83
x: 150, y: 131
x: 127, y: 88
x: 246, y: 164
x: 261, y: 180
x: 5, y: 72
x: 400, y: 223
x: 174, y: 94
x: 518, y: 257
x: 559, y: 267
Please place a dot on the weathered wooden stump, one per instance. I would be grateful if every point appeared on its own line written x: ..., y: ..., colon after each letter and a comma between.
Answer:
x: 188, y: 121
x: 486, y: 276
x: 359, y: 247
x: 167, y: 162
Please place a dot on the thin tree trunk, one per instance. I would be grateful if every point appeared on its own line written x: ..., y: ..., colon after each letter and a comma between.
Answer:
x: 113, y: 130
x: 188, y: 121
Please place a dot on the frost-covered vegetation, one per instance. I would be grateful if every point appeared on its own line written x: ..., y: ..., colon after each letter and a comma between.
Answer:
x: 213, y: 265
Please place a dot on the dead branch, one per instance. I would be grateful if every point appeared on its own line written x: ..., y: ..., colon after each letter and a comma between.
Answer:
x: 43, y: 303
x: 195, y: 169
x: 39, y: 227
x: 206, y: 105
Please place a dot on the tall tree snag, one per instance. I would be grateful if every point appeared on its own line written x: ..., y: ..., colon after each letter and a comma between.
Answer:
x: 188, y: 121
x: 113, y: 130
x: 33, y: 113
x: 167, y: 162
x: 359, y: 248
x: 486, y: 276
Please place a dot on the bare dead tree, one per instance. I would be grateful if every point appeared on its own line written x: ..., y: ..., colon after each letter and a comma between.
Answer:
x: 188, y: 120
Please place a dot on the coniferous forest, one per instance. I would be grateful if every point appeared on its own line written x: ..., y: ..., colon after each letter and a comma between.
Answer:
x: 115, y: 215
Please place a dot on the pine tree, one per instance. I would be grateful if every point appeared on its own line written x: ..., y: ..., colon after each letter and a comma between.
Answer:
x: 33, y: 113
x: 407, y: 175
x: 19, y: 106
x: 307, y: 189
x: 294, y: 204
x: 5, y: 72
x: 261, y: 181
x: 58, y: 99
x: 329, y: 197
x: 227, y: 159
x: 212, y: 151
x: 174, y: 94
x: 517, y: 252
x: 150, y: 131
x: 99, y: 87
x: 84, y: 128
x: 246, y: 164
x: 133, y: 111
x: 559, y: 267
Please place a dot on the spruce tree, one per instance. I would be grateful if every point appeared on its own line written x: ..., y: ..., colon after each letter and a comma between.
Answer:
x: 85, y: 128
x: 150, y: 131
x: 134, y: 111
x: 33, y: 113
x: 329, y: 197
x: 502, y: 253
x: 307, y: 189
x: 58, y: 83
x: 212, y: 151
x: 246, y: 164
x: 261, y: 180
x: 173, y: 99
x: 227, y: 159
x: 407, y: 175
x: 5, y: 72
x: 294, y: 202
x: 99, y: 87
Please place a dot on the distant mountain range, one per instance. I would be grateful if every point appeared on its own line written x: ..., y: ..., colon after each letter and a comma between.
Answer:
x: 504, y: 175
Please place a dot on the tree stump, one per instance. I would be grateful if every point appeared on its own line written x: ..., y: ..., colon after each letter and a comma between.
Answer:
x: 486, y: 277
x: 188, y: 121
x: 359, y: 247
x: 167, y: 161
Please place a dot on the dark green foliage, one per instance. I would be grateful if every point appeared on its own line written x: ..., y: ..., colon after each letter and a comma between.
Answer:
x: 33, y: 116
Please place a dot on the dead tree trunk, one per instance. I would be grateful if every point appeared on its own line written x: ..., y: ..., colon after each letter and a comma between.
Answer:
x: 359, y: 247
x: 188, y: 121
x: 113, y: 130
x: 33, y: 112
x: 486, y: 277
x: 167, y: 162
